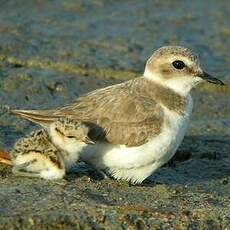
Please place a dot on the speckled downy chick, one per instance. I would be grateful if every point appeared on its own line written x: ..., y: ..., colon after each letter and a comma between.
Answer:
x: 36, y: 156
x: 70, y: 136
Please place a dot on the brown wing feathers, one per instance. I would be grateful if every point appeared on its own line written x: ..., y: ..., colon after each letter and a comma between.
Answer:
x: 124, y: 113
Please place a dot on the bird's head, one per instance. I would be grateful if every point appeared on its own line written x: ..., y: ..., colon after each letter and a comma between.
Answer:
x: 68, y: 132
x: 177, y: 68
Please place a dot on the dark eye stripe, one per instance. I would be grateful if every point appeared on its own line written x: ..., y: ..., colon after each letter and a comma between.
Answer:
x: 59, y: 131
x: 178, y: 64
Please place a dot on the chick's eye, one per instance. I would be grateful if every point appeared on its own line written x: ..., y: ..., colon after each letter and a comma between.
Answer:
x: 70, y: 136
x: 178, y: 64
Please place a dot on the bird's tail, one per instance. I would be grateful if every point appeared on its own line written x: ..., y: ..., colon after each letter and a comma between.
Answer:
x: 41, y: 117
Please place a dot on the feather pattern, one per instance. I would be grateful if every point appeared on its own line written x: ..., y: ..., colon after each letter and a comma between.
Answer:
x: 129, y: 113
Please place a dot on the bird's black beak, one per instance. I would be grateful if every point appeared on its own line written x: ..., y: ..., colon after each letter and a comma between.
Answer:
x: 210, y: 79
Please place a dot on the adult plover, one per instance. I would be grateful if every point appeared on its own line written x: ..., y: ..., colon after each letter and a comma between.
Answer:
x: 142, y: 121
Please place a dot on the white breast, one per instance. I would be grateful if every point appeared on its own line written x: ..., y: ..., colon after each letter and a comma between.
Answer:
x: 137, y: 163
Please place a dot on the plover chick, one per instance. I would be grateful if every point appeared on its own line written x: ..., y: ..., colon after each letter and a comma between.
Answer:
x: 146, y: 118
x: 70, y: 136
x: 36, y: 156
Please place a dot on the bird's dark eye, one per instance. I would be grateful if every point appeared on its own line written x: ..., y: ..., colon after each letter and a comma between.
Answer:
x: 178, y: 64
x: 70, y: 136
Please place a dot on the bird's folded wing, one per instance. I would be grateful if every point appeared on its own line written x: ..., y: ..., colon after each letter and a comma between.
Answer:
x: 125, y: 117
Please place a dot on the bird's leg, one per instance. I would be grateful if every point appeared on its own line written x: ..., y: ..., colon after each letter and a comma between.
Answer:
x: 97, y: 173
x: 4, y: 109
x: 21, y: 170
x: 103, y: 174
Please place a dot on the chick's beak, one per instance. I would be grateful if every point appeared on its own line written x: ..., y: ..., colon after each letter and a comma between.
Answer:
x: 89, y: 141
x: 210, y: 79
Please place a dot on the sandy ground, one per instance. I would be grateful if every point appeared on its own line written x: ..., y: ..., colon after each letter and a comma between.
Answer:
x: 53, y: 51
